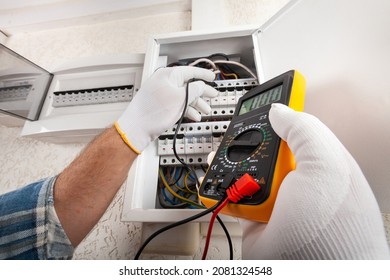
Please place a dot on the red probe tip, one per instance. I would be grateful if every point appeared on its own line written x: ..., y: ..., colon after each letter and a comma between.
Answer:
x: 245, y: 186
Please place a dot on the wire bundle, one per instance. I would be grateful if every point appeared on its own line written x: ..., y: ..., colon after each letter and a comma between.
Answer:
x: 192, y: 218
x: 180, y: 193
x: 224, y: 68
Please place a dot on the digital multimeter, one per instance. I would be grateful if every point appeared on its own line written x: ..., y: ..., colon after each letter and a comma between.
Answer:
x: 251, y: 146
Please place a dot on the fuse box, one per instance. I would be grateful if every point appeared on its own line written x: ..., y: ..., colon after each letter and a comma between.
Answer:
x: 85, y: 96
x: 147, y: 196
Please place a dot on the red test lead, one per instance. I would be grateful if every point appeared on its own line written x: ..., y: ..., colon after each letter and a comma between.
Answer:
x: 246, y: 186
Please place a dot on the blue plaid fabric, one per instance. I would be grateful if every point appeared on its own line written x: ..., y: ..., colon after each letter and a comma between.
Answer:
x: 29, y: 226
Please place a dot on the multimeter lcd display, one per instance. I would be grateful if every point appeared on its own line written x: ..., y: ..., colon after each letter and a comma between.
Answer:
x: 260, y: 100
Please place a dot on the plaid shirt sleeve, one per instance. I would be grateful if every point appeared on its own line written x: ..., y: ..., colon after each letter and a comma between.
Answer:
x: 29, y: 226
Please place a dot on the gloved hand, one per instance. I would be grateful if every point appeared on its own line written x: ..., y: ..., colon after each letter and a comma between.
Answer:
x: 159, y: 104
x: 325, y: 208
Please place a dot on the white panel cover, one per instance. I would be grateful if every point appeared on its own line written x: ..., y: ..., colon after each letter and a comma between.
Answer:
x: 342, y: 48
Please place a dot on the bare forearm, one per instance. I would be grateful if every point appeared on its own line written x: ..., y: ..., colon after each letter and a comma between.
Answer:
x: 84, y: 190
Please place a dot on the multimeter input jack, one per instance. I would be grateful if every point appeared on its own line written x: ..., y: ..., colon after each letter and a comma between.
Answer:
x: 217, y: 188
x: 220, y: 189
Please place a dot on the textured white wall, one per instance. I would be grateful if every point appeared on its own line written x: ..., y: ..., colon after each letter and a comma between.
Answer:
x: 25, y: 160
x: 52, y: 47
x: 226, y: 13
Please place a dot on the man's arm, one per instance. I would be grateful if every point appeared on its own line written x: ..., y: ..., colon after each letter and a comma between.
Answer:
x: 84, y: 190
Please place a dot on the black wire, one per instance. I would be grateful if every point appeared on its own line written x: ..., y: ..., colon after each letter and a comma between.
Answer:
x: 178, y: 178
x: 193, y: 171
x: 228, y: 70
x: 175, y: 64
x: 218, y: 54
x: 184, y: 221
x: 177, y: 130
x: 229, y: 239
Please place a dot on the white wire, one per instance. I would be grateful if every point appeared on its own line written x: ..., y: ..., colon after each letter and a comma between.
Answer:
x: 204, y: 60
x: 216, y: 69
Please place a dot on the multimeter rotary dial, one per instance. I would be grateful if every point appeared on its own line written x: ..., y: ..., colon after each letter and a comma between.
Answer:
x: 244, y: 145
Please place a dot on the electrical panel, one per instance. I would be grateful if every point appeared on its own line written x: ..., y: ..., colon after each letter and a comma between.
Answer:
x: 85, y: 97
x: 159, y: 187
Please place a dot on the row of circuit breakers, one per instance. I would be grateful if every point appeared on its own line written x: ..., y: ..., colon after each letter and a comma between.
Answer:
x: 72, y: 97
x: 93, y: 96
x: 195, y: 140
x: 15, y: 92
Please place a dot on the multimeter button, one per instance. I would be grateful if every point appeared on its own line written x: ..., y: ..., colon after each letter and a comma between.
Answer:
x: 244, y: 145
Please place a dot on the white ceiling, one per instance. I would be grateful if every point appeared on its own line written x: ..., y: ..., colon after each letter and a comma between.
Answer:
x: 18, y: 16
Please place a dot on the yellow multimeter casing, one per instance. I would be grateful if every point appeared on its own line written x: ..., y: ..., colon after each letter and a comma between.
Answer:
x: 251, y: 146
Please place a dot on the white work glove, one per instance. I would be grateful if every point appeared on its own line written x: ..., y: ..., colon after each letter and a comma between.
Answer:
x: 159, y: 104
x: 325, y: 208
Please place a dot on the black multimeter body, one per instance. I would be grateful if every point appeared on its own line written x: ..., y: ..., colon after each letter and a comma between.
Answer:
x: 250, y: 145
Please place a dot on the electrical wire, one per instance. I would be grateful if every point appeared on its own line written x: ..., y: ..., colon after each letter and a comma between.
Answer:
x: 230, y: 243
x: 176, y: 132
x: 210, y: 229
x: 229, y: 239
x: 229, y: 75
x: 163, y: 199
x: 175, y: 194
x: 195, y: 175
x: 223, y: 64
x: 183, y: 190
x: 210, y: 62
x: 218, y: 54
x: 183, y: 193
x: 186, y: 185
x: 214, y: 63
x: 184, y: 221
x: 178, y: 178
x: 245, y: 186
x: 237, y: 64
